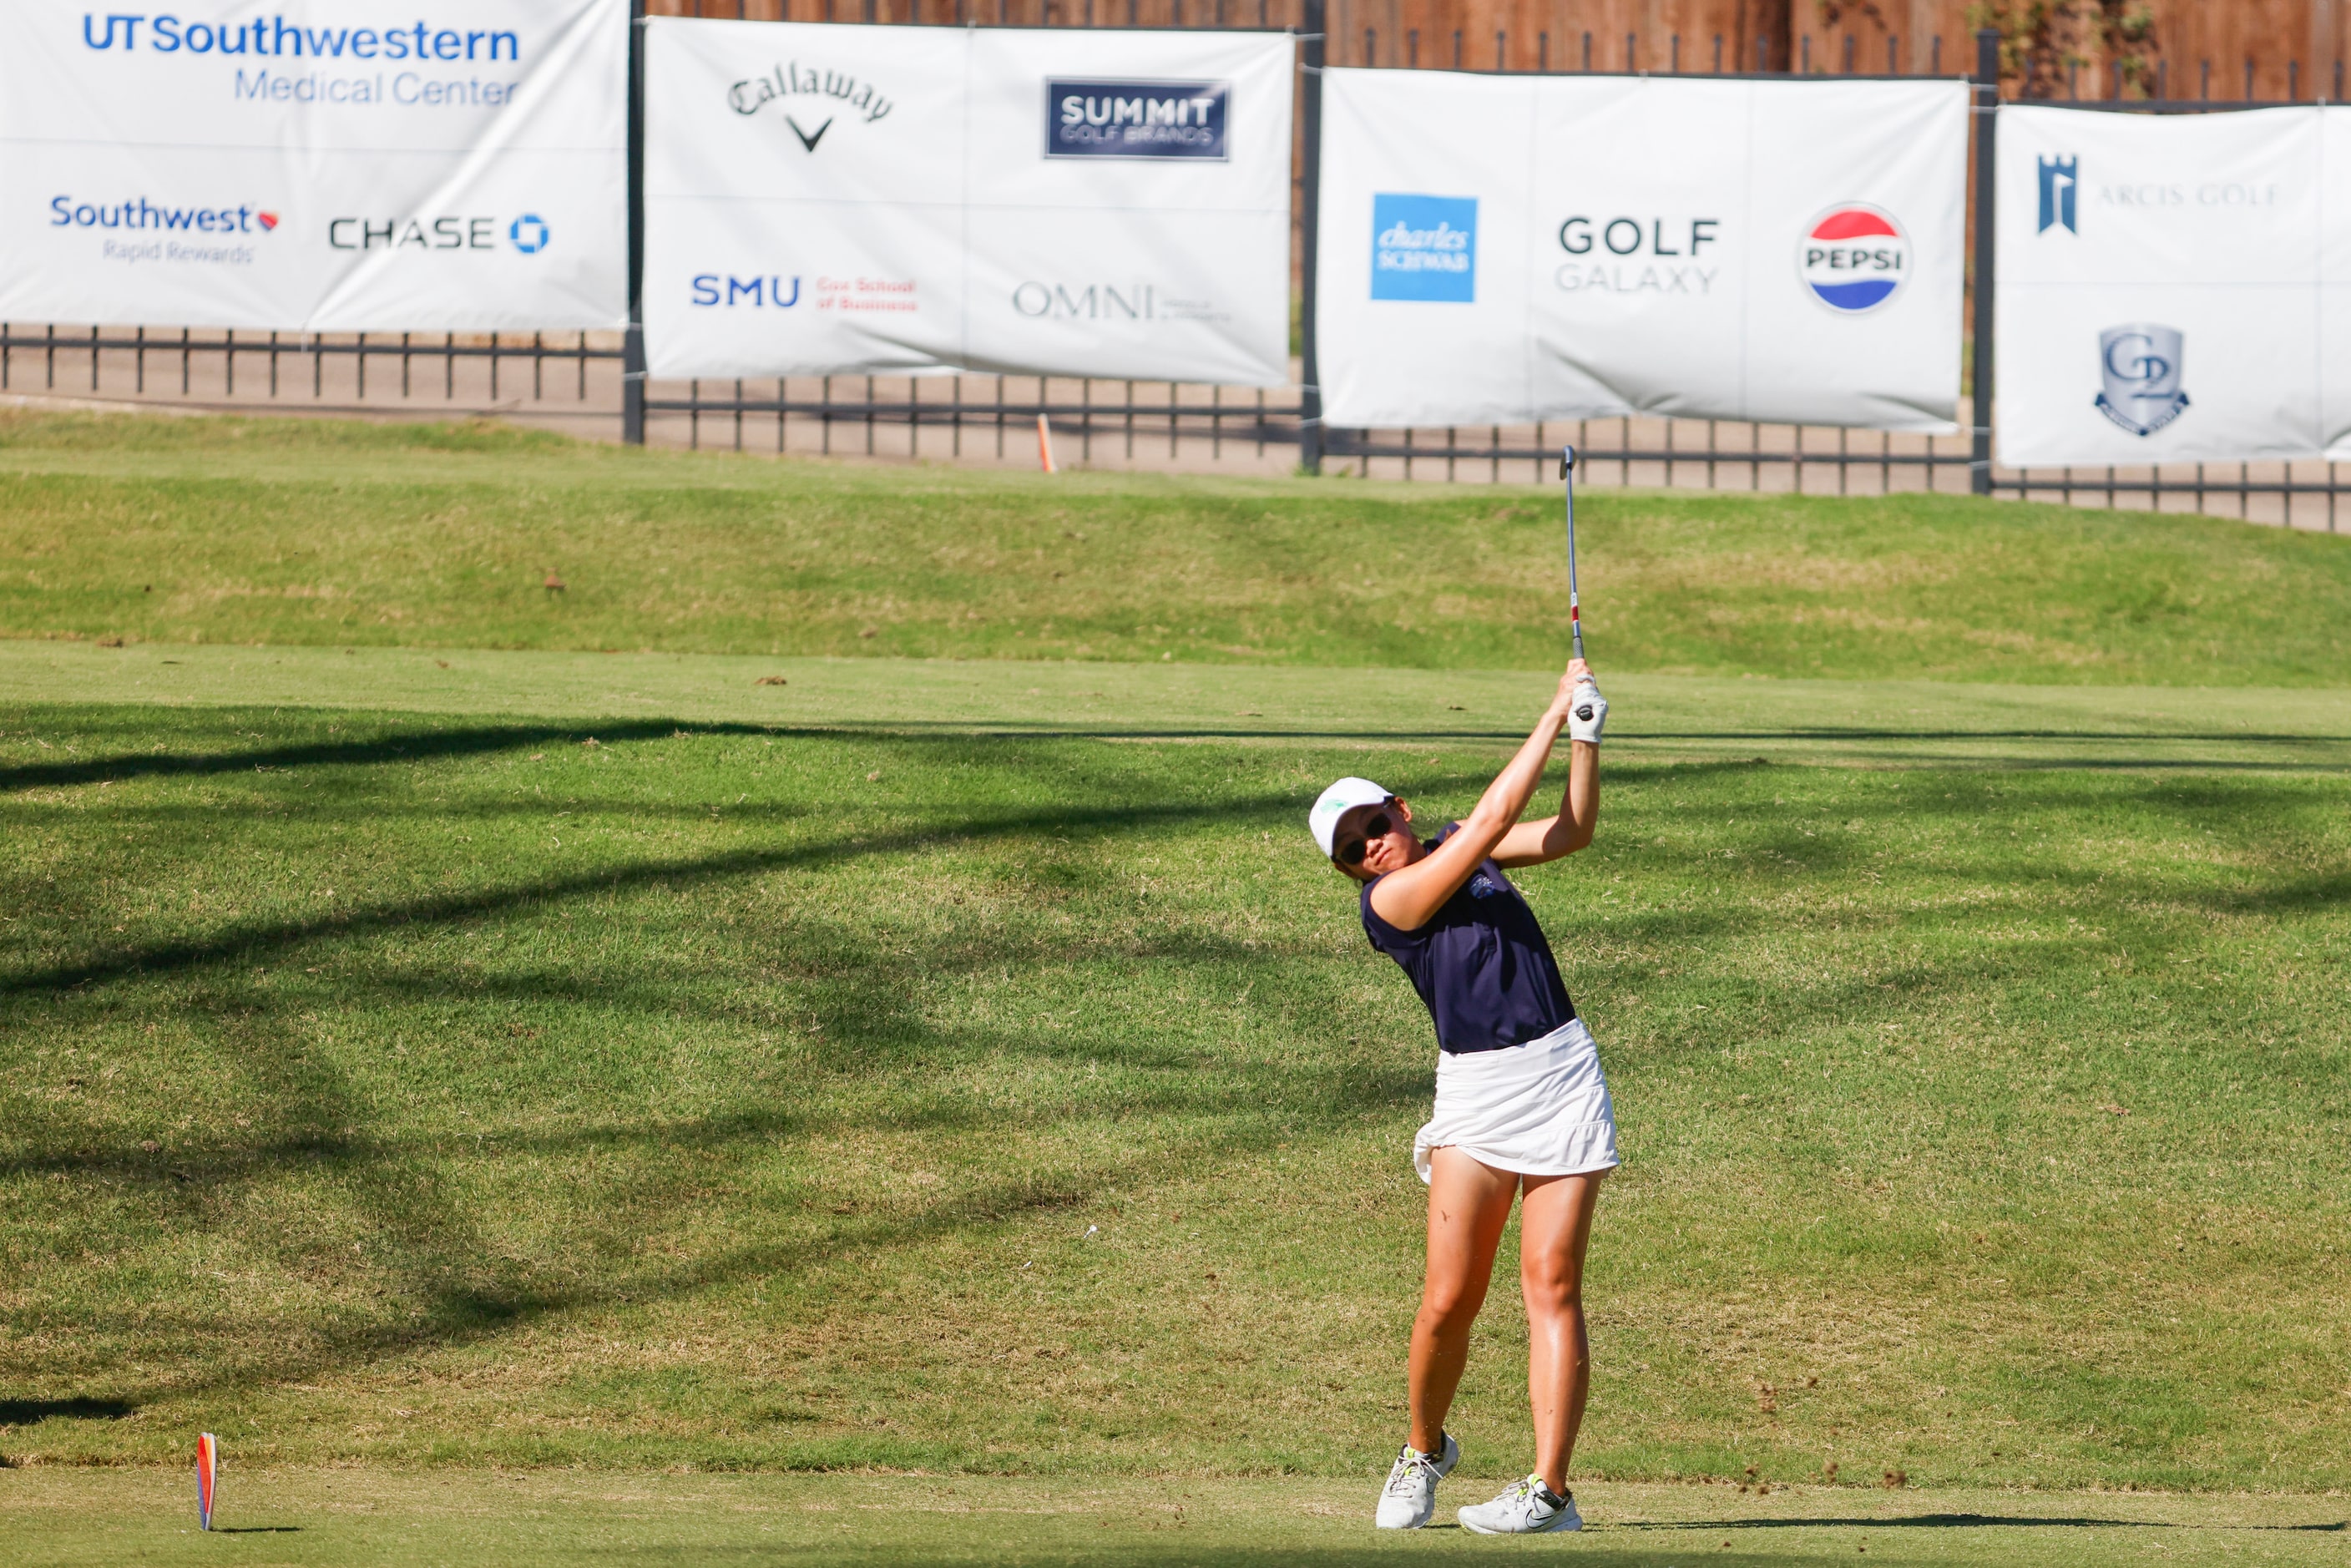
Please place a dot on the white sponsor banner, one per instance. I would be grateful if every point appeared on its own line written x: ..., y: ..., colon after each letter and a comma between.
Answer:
x: 1516, y: 248
x: 824, y: 198
x: 324, y: 165
x: 2171, y: 288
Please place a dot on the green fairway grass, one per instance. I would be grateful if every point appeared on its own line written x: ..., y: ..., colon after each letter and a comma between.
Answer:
x: 1660, y: 717
x: 436, y: 1052
x: 408, y: 1089
x: 253, y: 531
x: 345, y: 1520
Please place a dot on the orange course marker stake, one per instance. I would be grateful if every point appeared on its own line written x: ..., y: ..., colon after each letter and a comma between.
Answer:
x: 1045, y: 445
x: 207, y: 1472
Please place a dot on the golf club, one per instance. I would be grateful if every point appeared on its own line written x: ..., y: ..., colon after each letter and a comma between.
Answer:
x: 1574, y: 610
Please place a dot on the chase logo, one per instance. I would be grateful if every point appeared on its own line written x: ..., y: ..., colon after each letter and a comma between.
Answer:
x: 2060, y: 179
x: 529, y: 234
x: 1854, y: 258
x: 1425, y: 248
x: 1085, y: 119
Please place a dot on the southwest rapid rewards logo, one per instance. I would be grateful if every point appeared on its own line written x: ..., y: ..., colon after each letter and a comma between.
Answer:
x: 1092, y: 119
x: 140, y: 229
x: 1425, y: 248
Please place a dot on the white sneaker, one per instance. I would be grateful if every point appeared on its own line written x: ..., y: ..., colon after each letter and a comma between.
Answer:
x: 1524, y: 1509
x: 1410, y: 1497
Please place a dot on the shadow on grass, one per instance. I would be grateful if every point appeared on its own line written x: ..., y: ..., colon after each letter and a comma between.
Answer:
x: 476, y: 740
x: 1972, y: 1522
x: 265, y: 937
x: 426, y: 745
x: 25, y: 1412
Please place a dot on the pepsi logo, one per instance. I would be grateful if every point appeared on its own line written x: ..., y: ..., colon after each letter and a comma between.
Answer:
x: 1854, y: 258
x: 268, y: 221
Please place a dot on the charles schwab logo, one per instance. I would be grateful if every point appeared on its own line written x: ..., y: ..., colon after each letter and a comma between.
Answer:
x: 2139, y: 365
x: 1424, y: 248
x: 1089, y: 119
x: 828, y: 92
x: 2061, y: 184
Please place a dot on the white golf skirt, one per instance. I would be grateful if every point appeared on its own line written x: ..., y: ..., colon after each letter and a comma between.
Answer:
x: 1538, y: 1109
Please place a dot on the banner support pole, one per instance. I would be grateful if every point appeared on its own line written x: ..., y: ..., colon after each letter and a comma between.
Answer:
x: 1310, y: 196
x: 632, y: 343
x: 1985, y: 98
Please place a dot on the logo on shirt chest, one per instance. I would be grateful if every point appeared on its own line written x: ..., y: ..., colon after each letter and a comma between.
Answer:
x: 1484, y: 886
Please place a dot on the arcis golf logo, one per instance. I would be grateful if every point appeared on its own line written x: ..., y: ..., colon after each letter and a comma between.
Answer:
x: 1854, y: 258
x: 2061, y: 184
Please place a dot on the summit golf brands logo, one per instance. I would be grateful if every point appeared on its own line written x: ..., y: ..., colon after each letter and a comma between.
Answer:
x: 2061, y: 185
x: 1425, y: 248
x: 2138, y: 365
x: 810, y: 99
x: 1090, y: 119
x: 1852, y: 258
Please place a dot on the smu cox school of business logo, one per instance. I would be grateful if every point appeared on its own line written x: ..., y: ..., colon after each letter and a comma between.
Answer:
x: 1425, y: 248
x: 1087, y: 118
x: 1853, y: 258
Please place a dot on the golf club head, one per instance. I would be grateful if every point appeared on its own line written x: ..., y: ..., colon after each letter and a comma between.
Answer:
x: 1566, y: 461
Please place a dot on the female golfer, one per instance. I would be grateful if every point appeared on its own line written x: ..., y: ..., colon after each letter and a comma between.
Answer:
x: 1521, y: 1107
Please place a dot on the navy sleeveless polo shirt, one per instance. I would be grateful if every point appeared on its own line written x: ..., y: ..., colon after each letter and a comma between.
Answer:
x: 1481, y: 963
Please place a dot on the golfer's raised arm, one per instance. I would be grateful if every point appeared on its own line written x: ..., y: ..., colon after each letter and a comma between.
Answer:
x: 1555, y: 838
x: 1406, y: 899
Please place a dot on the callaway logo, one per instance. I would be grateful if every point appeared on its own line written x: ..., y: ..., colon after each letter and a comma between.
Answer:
x: 788, y: 81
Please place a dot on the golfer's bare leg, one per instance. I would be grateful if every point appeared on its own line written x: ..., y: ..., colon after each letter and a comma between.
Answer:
x: 1554, y: 1224
x: 1469, y: 1203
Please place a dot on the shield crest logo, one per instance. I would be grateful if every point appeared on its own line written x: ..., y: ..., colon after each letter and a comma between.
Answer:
x: 2138, y: 364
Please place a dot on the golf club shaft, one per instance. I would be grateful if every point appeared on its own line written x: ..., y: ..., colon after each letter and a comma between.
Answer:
x: 1574, y: 607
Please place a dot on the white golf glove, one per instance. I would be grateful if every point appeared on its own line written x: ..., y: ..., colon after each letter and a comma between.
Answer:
x: 1587, y: 714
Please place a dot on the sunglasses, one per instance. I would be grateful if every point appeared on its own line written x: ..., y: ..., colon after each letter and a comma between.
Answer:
x: 1352, y: 853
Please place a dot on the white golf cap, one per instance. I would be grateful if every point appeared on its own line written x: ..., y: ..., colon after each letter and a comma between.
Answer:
x: 1336, y: 803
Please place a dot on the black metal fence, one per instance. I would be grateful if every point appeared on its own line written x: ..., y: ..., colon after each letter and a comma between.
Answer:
x: 357, y: 373
x: 590, y: 381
